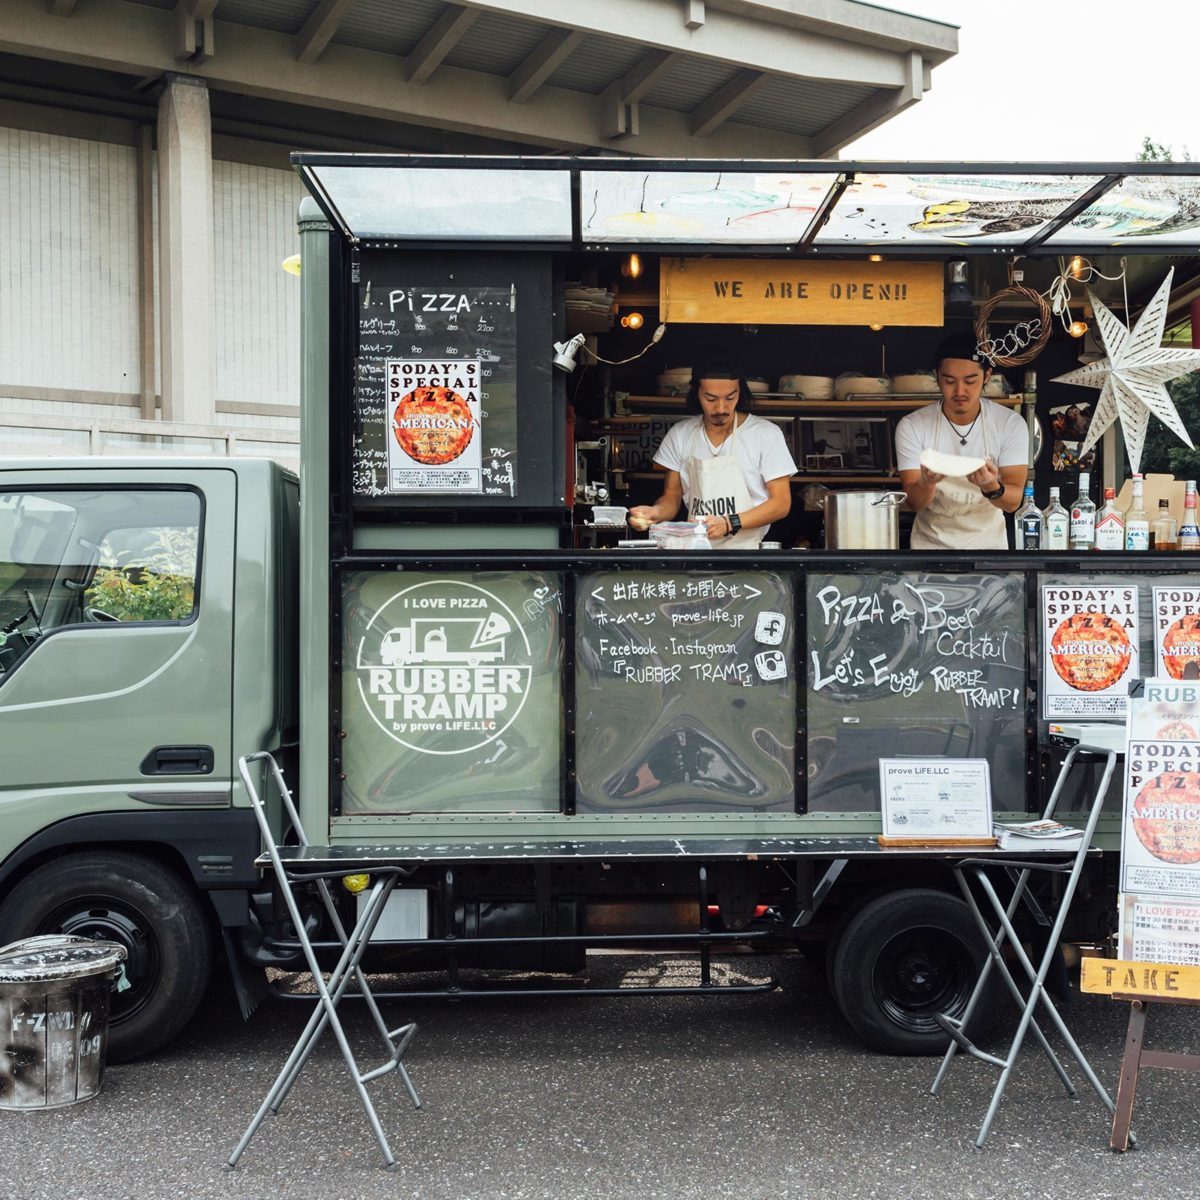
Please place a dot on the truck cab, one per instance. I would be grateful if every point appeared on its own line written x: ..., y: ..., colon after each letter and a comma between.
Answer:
x: 147, y: 641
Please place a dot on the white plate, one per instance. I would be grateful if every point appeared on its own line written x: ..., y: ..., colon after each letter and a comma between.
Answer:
x: 958, y: 465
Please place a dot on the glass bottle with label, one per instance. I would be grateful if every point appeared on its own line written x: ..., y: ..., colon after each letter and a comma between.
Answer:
x: 1137, y: 520
x: 1189, y: 533
x: 1110, y: 525
x: 1083, y: 516
x: 1163, y: 535
x: 1029, y: 523
x: 1056, y: 523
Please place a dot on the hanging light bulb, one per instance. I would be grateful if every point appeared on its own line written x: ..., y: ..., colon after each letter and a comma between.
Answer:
x: 633, y: 320
x: 631, y: 268
x: 876, y: 328
x: 1077, y: 329
x: 1075, y: 270
x: 874, y: 258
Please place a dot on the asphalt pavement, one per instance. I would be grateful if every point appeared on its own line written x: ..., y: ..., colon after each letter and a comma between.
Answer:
x: 646, y: 1099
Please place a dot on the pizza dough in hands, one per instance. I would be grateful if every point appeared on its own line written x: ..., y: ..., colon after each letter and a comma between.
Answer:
x: 959, y: 465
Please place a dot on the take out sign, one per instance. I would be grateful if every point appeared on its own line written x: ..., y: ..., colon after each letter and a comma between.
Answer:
x: 1161, y: 981
x: 783, y: 291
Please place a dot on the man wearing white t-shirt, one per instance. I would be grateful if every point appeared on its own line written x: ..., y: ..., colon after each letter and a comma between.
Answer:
x: 728, y: 466
x: 962, y: 512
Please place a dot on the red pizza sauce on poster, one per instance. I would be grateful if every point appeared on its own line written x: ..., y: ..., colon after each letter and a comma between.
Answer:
x: 1090, y: 651
x: 433, y: 425
x: 1166, y: 817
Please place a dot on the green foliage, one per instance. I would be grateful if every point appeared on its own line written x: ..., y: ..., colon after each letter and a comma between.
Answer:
x: 158, y: 585
x: 1152, y: 151
x: 1162, y: 450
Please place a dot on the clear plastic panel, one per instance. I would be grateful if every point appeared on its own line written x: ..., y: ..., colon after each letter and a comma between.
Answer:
x: 1144, y: 208
x: 444, y: 203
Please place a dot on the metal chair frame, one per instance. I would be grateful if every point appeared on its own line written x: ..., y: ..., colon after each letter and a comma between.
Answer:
x: 1020, y: 871
x: 329, y: 994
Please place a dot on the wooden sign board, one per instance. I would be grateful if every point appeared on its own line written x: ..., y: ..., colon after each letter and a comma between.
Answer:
x: 1154, y: 981
x: 765, y: 291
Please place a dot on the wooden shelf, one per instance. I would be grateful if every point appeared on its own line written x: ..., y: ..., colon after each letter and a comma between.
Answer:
x: 781, y: 405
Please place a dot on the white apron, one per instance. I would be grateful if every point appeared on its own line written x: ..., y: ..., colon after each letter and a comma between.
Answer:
x: 958, y: 517
x: 716, y: 486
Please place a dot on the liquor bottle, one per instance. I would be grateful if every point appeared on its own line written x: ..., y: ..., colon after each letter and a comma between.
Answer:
x: 1137, y: 520
x: 1029, y: 523
x: 1083, y: 516
x: 1110, y: 525
x: 1057, y: 523
x: 1189, y: 533
x: 1162, y: 532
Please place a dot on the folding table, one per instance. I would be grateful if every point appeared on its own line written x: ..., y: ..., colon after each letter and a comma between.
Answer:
x: 1020, y: 871
x: 329, y: 994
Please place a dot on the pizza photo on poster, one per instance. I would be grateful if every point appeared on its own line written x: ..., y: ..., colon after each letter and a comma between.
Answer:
x: 1090, y: 649
x: 444, y: 667
x: 434, y: 416
x: 1160, y: 845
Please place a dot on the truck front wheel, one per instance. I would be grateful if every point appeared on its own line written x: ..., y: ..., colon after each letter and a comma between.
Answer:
x: 140, y: 904
x: 902, y: 958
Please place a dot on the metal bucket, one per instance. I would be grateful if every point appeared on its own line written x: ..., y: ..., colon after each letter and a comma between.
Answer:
x: 54, y: 994
x: 862, y: 520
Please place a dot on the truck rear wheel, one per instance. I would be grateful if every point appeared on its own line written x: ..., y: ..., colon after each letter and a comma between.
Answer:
x: 140, y: 904
x: 902, y: 958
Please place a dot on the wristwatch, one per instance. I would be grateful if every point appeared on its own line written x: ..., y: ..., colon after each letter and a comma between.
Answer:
x: 996, y: 494
x: 735, y: 523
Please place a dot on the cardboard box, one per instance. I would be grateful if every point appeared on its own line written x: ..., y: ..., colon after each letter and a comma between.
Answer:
x: 1155, y: 488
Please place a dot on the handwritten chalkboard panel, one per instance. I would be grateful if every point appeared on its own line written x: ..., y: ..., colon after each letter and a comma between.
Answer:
x: 453, y: 400
x: 685, y: 692
x: 903, y: 664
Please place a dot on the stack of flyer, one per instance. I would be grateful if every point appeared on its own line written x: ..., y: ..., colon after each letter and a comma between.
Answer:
x: 1037, y: 835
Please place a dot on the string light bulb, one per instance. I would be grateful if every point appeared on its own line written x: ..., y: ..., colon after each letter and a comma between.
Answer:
x: 631, y: 268
x: 875, y: 258
x: 876, y: 328
x: 1077, y: 329
x: 1076, y: 269
x: 633, y: 320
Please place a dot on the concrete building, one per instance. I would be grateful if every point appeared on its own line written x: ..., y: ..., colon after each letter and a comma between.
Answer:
x: 146, y: 202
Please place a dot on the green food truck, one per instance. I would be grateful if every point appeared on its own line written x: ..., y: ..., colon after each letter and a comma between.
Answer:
x: 576, y: 735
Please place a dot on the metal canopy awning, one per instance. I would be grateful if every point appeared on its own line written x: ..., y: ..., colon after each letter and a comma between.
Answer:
x: 770, y: 206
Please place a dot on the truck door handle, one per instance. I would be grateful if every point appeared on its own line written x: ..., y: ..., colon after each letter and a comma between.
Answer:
x: 178, y: 760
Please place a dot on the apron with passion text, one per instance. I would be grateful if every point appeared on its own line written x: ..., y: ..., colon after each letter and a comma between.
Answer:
x: 717, y: 487
x: 958, y: 517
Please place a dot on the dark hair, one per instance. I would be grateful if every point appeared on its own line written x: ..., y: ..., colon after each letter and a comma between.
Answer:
x: 963, y: 346
x: 719, y: 368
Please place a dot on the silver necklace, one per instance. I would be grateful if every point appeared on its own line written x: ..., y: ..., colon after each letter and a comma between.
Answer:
x: 962, y: 437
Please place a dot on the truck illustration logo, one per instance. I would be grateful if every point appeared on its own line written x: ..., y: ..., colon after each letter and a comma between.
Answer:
x: 444, y: 666
x: 470, y: 640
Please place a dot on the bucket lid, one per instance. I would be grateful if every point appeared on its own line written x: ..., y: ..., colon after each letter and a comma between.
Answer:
x: 57, y: 956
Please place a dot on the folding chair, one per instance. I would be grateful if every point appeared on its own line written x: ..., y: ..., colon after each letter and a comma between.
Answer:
x: 1020, y: 872
x: 354, y: 945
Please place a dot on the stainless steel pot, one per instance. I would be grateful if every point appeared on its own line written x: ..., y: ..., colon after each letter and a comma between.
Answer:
x: 862, y: 520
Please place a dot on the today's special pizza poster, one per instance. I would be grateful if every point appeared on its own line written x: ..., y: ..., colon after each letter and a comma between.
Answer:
x: 1177, y: 632
x: 1089, y: 650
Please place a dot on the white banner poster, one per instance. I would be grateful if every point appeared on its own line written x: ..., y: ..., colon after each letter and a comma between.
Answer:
x: 1177, y: 632
x: 936, y: 799
x: 1160, y: 929
x: 1090, y: 650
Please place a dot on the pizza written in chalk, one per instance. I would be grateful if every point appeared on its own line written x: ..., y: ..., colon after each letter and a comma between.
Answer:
x: 1166, y: 817
x: 1181, y: 648
x: 1090, y: 651
x: 433, y: 425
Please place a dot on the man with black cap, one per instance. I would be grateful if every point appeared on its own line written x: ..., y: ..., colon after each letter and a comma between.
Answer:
x: 728, y: 466
x: 962, y: 512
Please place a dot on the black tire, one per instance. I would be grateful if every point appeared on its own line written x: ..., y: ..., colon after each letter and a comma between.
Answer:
x: 903, y: 957
x: 139, y: 903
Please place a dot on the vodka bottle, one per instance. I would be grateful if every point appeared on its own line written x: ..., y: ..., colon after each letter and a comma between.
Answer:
x: 1029, y: 523
x: 1137, y: 520
x: 1110, y: 526
x: 1163, y: 533
x: 1189, y: 534
x: 1083, y: 516
x: 1057, y: 523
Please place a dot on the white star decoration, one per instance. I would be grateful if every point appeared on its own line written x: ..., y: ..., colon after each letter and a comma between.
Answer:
x: 1132, y: 378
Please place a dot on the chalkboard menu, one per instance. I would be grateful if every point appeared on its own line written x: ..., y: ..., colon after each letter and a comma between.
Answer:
x: 913, y: 664
x: 453, y: 395
x: 685, y: 692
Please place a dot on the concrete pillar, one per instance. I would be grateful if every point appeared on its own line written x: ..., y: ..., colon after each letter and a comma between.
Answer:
x: 185, y: 251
